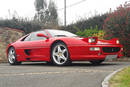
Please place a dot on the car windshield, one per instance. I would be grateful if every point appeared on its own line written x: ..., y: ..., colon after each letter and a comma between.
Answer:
x: 61, y: 33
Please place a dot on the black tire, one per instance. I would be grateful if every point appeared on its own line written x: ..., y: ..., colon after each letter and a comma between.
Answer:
x: 62, y: 58
x: 12, y: 58
x: 96, y: 62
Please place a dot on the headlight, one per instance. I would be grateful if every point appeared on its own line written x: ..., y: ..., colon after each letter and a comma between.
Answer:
x: 91, y: 40
x: 117, y: 41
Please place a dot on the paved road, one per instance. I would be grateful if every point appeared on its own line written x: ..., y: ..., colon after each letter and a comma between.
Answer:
x: 80, y: 74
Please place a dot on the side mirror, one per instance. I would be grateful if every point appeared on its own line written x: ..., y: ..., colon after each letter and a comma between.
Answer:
x: 42, y: 35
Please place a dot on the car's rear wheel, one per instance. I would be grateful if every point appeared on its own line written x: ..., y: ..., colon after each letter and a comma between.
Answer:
x: 96, y: 62
x: 60, y: 54
x: 12, y: 58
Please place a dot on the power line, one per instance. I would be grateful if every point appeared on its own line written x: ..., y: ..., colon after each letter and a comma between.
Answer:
x: 72, y: 5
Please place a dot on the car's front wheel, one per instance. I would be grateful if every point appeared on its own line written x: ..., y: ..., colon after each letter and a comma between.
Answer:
x: 12, y: 59
x: 60, y: 54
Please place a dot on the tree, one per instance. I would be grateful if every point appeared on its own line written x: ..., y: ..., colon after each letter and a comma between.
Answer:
x: 53, y: 15
x: 46, y: 13
x: 40, y: 6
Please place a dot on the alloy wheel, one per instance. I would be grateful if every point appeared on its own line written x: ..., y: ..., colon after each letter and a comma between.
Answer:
x: 60, y: 54
x: 11, y: 55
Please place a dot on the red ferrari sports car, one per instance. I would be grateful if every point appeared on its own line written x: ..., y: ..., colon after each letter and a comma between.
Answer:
x: 61, y: 48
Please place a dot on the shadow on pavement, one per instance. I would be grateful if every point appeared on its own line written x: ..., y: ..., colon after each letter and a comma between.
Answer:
x: 75, y: 64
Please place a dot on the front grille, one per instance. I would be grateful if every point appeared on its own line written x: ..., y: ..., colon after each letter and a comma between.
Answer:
x: 110, y: 49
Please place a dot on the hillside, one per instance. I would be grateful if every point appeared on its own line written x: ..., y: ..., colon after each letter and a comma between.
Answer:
x: 8, y: 35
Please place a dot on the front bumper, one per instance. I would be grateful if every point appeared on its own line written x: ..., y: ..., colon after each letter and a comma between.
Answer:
x: 108, y: 52
x: 92, y: 52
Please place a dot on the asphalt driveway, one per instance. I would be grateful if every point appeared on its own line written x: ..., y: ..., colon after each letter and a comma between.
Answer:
x: 79, y: 74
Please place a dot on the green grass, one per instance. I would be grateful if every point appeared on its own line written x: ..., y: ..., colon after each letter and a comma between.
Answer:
x: 121, y: 79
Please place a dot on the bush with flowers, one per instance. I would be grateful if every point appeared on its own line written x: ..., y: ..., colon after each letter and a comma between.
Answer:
x: 117, y: 24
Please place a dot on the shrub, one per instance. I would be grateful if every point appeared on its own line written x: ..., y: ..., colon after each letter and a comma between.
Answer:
x: 117, y: 24
x: 22, y: 24
x: 91, y: 32
x: 86, y: 23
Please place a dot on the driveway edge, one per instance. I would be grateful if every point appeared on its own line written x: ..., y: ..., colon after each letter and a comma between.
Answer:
x: 105, y: 82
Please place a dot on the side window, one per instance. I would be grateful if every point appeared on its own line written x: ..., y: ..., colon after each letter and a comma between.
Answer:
x: 34, y: 36
x: 27, y: 38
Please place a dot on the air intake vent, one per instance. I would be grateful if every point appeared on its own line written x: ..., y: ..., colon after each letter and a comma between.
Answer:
x: 111, y: 49
x: 27, y: 51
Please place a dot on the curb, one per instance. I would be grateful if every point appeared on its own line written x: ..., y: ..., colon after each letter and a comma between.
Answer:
x: 105, y: 82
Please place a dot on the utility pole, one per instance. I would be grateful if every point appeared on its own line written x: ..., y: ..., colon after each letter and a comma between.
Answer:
x: 65, y: 13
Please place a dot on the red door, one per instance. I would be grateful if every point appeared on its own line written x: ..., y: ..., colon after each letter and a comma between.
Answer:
x: 33, y: 47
